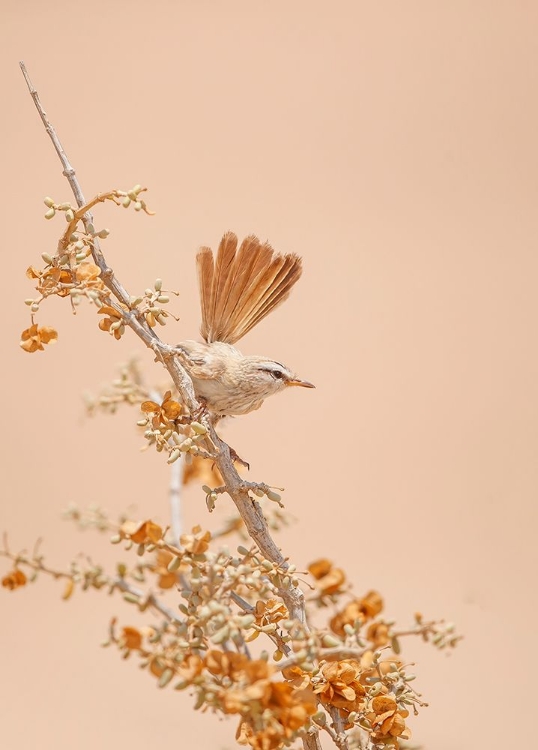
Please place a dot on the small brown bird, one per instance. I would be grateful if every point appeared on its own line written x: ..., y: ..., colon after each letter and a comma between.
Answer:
x: 237, y: 290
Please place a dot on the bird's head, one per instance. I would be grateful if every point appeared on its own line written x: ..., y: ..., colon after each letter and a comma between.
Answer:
x: 268, y: 376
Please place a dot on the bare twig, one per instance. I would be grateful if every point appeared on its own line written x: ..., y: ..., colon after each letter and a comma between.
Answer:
x: 174, y: 494
x: 248, y: 508
x: 150, y: 597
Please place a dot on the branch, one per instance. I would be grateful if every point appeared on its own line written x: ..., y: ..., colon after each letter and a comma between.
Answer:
x: 113, y: 582
x: 238, y: 490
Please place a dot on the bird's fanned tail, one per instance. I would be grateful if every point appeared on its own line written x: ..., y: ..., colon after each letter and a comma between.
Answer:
x: 241, y: 286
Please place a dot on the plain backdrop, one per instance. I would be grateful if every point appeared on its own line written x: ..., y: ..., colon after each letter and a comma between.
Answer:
x: 394, y: 146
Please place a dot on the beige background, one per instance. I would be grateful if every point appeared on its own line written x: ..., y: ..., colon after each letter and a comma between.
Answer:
x: 394, y: 146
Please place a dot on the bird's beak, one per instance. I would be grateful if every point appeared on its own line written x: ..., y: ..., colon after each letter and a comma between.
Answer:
x: 303, y: 383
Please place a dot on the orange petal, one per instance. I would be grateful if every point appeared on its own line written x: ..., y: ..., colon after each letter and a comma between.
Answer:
x: 131, y: 638
x: 87, y: 271
x: 107, y: 310
x: 171, y: 409
x: 149, y: 407
x: 31, y: 345
x: 320, y: 568
x: 147, y: 531
x: 47, y: 335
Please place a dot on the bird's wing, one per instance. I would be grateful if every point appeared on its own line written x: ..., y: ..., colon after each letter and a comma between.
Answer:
x: 202, y: 361
x: 242, y: 286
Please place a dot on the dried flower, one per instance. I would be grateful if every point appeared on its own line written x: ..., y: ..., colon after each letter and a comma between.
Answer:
x: 358, y: 610
x: 166, y: 579
x: 340, y: 686
x: 147, y: 533
x: 196, y: 543
x: 113, y: 322
x: 270, y: 611
x: 14, y: 580
x: 329, y: 580
x: 88, y: 272
x: 33, y: 338
x: 202, y: 470
x: 386, y: 719
x: 52, y: 280
x: 378, y: 634
x: 226, y: 663
x: 131, y: 638
x: 164, y: 413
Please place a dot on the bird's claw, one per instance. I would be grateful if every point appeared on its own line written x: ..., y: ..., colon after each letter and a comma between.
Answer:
x: 237, y: 459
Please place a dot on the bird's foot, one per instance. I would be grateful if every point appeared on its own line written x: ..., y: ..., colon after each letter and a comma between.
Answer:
x: 202, y: 411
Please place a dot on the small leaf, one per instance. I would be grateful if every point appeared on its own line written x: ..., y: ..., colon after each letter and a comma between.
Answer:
x: 69, y: 589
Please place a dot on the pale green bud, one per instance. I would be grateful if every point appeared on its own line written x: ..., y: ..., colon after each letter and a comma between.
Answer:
x: 174, y: 564
x: 132, y: 598
x: 165, y: 678
x: 174, y: 455
x: 329, y: 641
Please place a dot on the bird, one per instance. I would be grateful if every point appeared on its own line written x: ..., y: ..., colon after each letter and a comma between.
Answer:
x: 238, y: 288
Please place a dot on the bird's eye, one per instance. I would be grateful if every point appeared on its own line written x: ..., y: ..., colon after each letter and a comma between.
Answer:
x: 277, y: 374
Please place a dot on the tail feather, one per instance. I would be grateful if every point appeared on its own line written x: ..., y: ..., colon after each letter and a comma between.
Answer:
x: 204, y: 264
x: 287, y: 276
x: 241, y: 287
x: 223, y: 275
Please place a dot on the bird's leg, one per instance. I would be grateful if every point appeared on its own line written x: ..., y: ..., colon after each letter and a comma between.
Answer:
x: 202, y: 411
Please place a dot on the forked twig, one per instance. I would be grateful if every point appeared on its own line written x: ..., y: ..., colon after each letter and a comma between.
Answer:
x: 238, y: 490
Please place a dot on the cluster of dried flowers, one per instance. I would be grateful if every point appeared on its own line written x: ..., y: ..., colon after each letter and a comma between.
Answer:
x: 225, y: 600
x: 345, y: 677
x: 71, y: 273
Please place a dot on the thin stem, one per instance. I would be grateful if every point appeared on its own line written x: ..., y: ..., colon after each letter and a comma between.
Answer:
x: 115, y: 582
x: 174, y: 494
